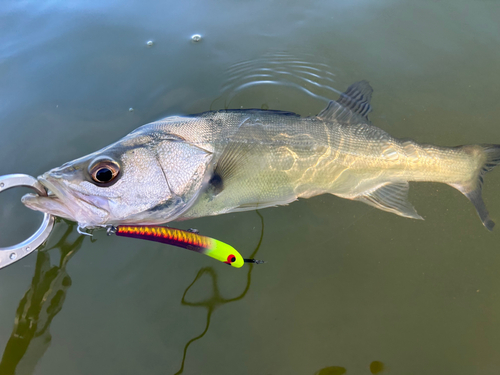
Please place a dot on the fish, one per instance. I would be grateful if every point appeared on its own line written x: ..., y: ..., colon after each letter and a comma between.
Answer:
x: 218, y: 162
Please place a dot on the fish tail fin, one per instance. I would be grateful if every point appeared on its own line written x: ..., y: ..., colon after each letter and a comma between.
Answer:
x: 490, y: 157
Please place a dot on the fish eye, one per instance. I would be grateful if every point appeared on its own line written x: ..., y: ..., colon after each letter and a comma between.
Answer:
x: 104, y: 171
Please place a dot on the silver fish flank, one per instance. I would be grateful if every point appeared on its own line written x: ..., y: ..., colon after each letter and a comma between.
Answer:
x: 213, y: 163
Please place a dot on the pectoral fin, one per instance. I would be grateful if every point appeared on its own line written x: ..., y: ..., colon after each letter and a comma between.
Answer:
x: 391, y: 198
x: 230, y: 165
x: 237, y: 155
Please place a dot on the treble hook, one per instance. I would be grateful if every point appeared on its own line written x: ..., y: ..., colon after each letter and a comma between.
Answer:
x: 81, y: 230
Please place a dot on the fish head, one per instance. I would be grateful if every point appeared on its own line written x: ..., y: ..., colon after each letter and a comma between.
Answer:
x: 145, y: 178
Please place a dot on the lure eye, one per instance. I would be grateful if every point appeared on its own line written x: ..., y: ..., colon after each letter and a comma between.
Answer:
x: 231, y: 258
x: 104, y: 171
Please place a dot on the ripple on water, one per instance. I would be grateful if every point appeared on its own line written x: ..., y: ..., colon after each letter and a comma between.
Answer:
x: 267, y: 81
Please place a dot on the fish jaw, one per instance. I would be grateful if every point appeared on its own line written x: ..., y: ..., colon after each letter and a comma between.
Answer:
x: 51, y: 205
x: 65, y: 202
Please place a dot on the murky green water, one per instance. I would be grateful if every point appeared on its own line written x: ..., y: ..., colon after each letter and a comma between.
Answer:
x: 347, y: 288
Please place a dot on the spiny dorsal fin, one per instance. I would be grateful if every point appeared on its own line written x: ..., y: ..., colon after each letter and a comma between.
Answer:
x: 352, y: 104
x: 391, y: 198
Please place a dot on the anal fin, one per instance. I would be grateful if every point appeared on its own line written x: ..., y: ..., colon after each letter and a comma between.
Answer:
x: 392, y: 197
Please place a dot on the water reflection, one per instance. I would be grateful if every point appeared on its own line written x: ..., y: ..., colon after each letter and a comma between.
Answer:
x: 216, y: 300
x: 31, y: 337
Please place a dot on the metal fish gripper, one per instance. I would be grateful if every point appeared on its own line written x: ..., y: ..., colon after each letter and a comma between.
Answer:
x: 11, y: 254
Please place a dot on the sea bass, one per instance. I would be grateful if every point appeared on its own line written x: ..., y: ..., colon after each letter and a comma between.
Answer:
x: 226, y: 161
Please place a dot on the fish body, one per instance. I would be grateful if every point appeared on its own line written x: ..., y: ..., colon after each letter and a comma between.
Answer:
x: 235, y: 160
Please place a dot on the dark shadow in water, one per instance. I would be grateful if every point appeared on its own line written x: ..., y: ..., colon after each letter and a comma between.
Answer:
x: 44, y: 299
x: 216, y: 300
x: 376, y: 367
x: 332, y: 370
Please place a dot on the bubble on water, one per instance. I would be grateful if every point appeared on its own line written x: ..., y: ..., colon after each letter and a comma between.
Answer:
x: 13, y: 256
x: 131, y: 109
x: 150, y: 43
x: 196, y: 38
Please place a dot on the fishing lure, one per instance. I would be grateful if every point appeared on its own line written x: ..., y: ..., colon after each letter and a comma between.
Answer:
x: 185, y: 239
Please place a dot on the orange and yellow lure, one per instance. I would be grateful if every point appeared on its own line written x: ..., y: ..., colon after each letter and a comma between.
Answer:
x: 188, y: 240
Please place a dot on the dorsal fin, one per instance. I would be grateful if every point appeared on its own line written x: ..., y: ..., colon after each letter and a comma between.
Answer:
x: 357, y: 98
x: 353, y: 104
x: 249, y: 111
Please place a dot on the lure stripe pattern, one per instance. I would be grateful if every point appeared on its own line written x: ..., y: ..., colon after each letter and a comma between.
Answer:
x: 171, y: 236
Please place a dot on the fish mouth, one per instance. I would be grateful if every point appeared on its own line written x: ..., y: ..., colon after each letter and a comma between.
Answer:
x: 52, y: 189
x: 64, y: 203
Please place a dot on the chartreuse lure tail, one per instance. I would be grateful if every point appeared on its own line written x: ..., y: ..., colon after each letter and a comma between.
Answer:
x: 181, y: 238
